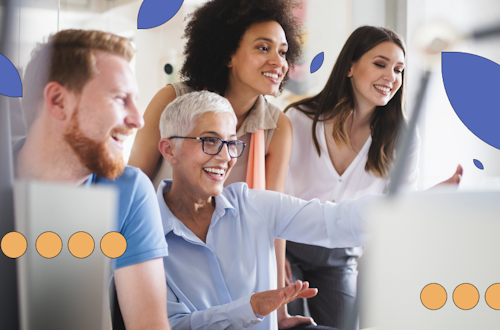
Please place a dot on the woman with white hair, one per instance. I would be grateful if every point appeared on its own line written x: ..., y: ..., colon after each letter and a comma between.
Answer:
x: 242, y: 50
x: 222, y: 238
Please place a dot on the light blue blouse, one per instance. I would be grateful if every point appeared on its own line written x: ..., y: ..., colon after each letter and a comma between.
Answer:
x: 210, y: 284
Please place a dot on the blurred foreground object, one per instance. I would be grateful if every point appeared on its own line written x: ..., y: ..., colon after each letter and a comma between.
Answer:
x: 64, y: 292
x: 441, y: 235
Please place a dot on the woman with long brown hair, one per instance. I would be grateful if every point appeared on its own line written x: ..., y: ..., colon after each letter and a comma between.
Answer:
x: 343, y: 147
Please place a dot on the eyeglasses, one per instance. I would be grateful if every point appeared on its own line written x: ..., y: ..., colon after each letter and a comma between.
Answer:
x: 213, y: 145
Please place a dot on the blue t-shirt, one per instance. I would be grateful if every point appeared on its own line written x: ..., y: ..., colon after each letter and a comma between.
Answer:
x: 139, y: 219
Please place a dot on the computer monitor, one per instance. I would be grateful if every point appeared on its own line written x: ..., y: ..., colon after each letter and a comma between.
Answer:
x: 437, y: 237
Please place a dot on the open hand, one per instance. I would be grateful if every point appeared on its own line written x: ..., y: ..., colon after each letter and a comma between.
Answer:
x: 265, y: 302
x: 304, y: 292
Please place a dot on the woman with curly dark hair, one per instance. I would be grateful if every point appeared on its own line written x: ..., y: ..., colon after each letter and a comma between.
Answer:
x: 242, y: 50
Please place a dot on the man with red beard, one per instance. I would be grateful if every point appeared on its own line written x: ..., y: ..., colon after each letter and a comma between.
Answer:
x: 80, y: 105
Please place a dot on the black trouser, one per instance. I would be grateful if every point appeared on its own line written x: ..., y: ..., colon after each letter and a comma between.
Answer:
x: 334, y: 273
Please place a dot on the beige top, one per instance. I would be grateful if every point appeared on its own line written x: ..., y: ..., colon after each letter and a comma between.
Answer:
x: 263, y: 115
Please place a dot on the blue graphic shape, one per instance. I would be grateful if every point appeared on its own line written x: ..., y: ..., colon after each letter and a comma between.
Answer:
x: 10, y: 82
x: 154, y: 13
x: 472, y: 84
x: 317, y: 62
x: 478, y: 164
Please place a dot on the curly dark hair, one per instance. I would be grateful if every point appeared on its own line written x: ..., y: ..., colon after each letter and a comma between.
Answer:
x: 214, y: 32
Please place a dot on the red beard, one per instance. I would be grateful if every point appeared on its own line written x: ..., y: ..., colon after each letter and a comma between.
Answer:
x: 95, y: 156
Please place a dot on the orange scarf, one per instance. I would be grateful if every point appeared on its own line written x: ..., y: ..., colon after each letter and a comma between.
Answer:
x: 256, y: 168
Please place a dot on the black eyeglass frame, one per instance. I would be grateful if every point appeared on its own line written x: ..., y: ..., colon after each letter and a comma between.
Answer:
x: 203, y: 139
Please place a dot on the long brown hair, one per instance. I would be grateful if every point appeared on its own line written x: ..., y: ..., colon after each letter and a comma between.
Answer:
x: 337, y: 100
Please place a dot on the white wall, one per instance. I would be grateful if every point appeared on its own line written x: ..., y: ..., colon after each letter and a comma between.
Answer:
x: 446, y: 141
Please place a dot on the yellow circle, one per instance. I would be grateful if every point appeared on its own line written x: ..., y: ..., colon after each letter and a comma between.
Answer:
x: 466, y: 296
x: 433, y: 296
x: 81, y: 244
x: 49, y: 244
x: 113, y: 244
x: 14, y: 244
x: 492, y: 296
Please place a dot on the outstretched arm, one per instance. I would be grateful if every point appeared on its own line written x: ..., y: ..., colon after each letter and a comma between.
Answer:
x: 145, y: 154
x: 310, y: 222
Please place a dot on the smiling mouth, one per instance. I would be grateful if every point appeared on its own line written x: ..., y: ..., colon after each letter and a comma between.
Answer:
x: 382, y: 88
x: 120, y: 135
x: 271, y: 75
x: 215, y: 171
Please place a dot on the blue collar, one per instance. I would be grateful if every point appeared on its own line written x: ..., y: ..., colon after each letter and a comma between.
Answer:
x: 92, y: 180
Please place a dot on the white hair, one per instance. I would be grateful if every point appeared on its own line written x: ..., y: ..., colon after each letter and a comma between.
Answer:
x: 179, y: 116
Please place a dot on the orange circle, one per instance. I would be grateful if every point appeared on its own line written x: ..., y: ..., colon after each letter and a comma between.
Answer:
x: 81, y: 244
x: 113, y: 244
x: 48, y: 244
x: 433, y: 296
x: 14, y: 244
x: 492, y: 296
x: 466, y: 296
